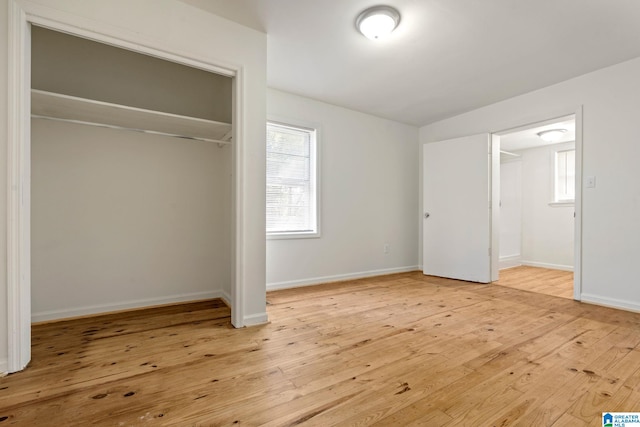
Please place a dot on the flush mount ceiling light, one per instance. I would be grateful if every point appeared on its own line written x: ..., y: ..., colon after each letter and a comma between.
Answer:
x: 378, y: 22
x: 551, y: 135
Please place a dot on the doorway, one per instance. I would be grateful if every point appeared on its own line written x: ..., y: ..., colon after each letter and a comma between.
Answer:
x: 538, y: 188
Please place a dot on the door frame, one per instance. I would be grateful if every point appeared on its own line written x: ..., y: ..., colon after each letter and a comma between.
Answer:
x: 577, y: 232
x: 21, y: 15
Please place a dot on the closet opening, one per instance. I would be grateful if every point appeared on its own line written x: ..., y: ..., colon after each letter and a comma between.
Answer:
x: 126, y: 174
x: 131, y: 179
x: 215, y: 60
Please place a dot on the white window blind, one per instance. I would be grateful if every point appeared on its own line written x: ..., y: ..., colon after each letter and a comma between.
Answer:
x: 291, y: 180
x: 565, y: 178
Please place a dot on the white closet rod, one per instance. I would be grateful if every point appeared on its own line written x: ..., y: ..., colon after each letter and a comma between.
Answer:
x: 153, y: 132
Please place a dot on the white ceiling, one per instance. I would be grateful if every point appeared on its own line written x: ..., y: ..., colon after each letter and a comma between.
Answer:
x: 446, y: 57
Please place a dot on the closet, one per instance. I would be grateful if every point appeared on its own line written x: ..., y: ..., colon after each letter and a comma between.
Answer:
x: 131, y: 179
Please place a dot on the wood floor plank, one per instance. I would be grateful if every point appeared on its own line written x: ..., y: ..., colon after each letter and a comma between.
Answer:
x: 568, y: 420
x: 403, y: 349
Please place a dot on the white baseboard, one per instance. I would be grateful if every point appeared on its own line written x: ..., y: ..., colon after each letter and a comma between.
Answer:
x: 610, y: 302
x: 548, y: 265
x: 256, y: 319
x: 125, y: 305
x: 338, y: 278
x: 509, y: 261
x: 4, y: 367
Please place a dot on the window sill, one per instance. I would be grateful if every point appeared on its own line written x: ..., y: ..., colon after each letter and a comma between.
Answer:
x: 287, y: 236
x: 568, y: 203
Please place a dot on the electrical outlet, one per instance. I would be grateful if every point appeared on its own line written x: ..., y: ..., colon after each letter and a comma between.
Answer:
x: 386, y: 248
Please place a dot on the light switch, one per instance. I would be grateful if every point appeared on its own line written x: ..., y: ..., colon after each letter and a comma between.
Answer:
x: 590, y: 182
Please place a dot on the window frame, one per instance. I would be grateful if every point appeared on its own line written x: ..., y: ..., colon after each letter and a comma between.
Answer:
x: 314, y: 160
x: 553, y: 155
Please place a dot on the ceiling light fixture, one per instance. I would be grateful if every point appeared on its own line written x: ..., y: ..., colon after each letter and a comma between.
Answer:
x: 551, y: 135
x: 378, y: 22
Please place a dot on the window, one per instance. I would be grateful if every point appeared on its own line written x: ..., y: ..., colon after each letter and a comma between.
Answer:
x: 565, y: 176
x: 292, y: 190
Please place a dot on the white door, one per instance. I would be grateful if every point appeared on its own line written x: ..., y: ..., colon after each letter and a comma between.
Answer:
x: 457, y: 216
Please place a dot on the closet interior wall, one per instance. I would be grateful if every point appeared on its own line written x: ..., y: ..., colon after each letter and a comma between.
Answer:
x: 122, y: 218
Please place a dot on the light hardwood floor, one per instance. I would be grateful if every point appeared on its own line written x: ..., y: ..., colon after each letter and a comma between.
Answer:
x: 556, y: 283
x: 398, y: 350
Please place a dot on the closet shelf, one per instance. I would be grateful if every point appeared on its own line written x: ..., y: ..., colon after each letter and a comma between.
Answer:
x: 507, y: 153
x: 55, y: 106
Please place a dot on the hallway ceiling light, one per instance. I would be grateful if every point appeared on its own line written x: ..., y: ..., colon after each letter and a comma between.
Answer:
x: 378, y: 22
x: 551, y: 135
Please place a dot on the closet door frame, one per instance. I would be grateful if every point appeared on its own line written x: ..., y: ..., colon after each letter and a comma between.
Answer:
x: 21, y: 16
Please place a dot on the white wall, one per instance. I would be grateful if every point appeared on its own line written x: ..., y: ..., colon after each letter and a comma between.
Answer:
x: 177, y: 28
x: 510, y: 213
x: 547, y: 231
x: 610, y: 211
x: 124, y: 219
x: 369, y: 180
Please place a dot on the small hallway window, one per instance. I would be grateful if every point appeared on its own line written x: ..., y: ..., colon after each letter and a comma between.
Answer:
x: 565, y: 176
